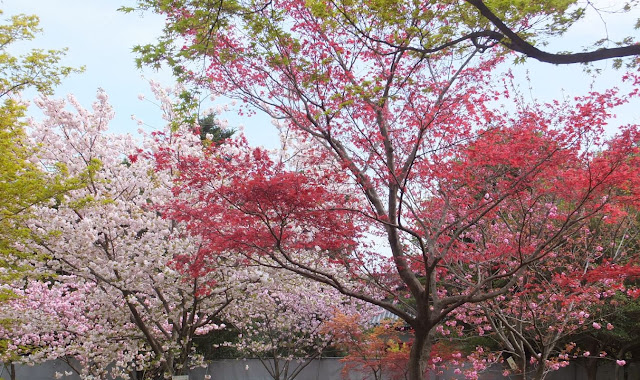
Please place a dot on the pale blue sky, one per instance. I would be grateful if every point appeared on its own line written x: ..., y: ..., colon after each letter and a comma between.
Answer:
x: 101, y: 39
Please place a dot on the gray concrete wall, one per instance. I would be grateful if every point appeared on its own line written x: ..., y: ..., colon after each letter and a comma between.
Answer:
x: 321, y: 369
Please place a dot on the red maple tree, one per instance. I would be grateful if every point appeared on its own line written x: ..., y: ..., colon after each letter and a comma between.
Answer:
x: 421, y: 183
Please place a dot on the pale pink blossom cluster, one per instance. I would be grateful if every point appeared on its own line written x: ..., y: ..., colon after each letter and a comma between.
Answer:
x: 125, y: 292
x: 282, y: 320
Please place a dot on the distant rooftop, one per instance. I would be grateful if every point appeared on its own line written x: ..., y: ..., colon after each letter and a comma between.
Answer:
x: 384, y: 314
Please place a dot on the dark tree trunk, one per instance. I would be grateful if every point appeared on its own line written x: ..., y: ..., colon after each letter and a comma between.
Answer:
x: 592, y: 369
x: 419, y: 355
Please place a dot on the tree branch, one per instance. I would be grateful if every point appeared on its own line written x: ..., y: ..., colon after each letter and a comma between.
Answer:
x: 510, y: 39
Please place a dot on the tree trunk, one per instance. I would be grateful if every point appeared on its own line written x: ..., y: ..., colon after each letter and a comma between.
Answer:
x: 276, y: 368
x: 592, y: 369
x: 620, y: 369
x: 524, y: 366
x: 540, y: 371
x: 419, y: 355
x: 169, y: 365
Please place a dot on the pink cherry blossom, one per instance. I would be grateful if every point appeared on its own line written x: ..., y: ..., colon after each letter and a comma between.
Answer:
x: 130, y: 276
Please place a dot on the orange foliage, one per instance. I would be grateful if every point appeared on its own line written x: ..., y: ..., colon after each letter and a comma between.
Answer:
x: 370, y: 351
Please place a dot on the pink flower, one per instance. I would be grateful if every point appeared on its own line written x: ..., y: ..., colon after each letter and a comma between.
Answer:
x: 586, y: 353
x: 621, y: 362
x: 596, y: 326
x: 609, y: 326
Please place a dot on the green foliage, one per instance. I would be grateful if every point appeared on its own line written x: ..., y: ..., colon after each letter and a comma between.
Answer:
x: 423, y: 28
x: 211, y: 131
x: 218, y: 344
x: 204, y: 15
x: 556, y: 15
x: 38, y: 69
x: 22, y: 182
x: 621, y: 341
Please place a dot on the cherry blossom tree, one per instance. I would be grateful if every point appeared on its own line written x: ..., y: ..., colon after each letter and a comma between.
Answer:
x: 56, y: 320
x: 609, y: 337
x: 563, y: 296
x: 614, y: 340
x: 282, y: 323
x: 126, y: 286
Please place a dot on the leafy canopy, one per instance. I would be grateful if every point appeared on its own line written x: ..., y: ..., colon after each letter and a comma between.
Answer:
x: 421, y: 27
x: 22, y: 182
